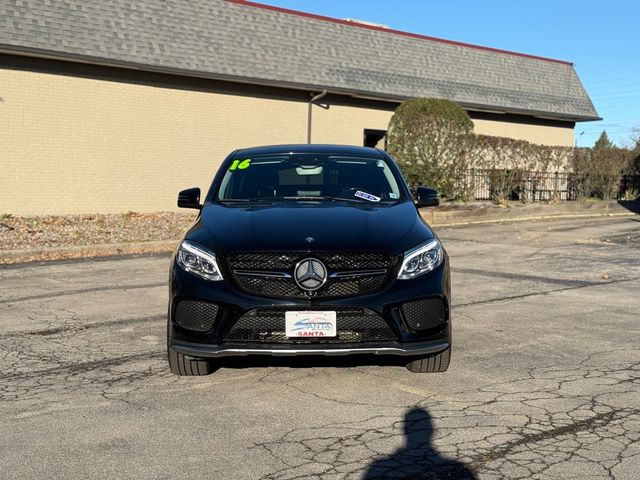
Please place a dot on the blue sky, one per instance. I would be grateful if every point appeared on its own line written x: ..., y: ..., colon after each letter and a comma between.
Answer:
x: 600, y: 38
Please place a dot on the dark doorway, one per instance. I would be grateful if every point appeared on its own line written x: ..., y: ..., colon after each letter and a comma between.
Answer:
x: 375, y: 138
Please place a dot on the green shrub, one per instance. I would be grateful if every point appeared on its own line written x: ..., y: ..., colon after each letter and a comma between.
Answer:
x: 434, y: 144
x: 430, y: 138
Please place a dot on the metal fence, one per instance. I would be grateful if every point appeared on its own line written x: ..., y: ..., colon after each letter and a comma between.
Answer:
x: 518, y: 185
x: 528, y: 186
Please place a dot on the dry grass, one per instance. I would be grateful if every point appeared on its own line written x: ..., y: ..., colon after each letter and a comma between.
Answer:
x: 24, y: 238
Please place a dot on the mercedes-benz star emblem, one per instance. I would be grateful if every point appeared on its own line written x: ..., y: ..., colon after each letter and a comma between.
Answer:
x: 310, y: 274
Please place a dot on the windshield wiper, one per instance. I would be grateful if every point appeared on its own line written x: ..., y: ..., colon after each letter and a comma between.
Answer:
x: 274, y: 199
x: 346, y: 199
x: 244, y: 200
x: 333, y: 199
x: 304, y: 197
x: 295, y: 198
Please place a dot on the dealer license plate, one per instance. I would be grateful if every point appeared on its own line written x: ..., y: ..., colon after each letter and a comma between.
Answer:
x: 310, y: 324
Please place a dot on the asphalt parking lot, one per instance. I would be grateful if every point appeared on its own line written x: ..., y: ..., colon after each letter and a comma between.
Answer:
x: 544, y: 380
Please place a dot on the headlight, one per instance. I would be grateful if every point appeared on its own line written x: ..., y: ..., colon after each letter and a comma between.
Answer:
x: 421, y: 260
x: 199, y: 261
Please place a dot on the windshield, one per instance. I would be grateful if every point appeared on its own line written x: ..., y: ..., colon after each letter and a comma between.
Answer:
x: 309, y: 177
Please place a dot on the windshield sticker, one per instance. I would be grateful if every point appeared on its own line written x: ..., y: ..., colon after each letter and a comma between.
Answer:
x: 240, y: 164
x: 393, y: 195
x: 367, y: 196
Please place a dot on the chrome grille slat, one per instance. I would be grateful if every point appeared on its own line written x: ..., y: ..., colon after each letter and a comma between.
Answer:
x: 253, y: 273
x: 357, y: 273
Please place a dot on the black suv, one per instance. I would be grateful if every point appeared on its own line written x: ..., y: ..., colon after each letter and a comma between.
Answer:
x: 309, y: 250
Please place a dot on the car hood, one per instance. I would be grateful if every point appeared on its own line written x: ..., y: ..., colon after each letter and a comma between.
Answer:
x: 310, y: 226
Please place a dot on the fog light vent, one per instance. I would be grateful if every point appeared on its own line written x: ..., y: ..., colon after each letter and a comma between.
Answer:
x: 424, y: 314
x: 196, y: 316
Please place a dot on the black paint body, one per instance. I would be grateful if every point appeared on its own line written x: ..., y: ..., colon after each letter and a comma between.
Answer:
x: 286, y: 226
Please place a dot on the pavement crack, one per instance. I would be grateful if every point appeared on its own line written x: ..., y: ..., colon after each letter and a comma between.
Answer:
x: 77, y: 327
x: 82, y: 291
x: 520, y: 276
x: 548, y: 292
x: 589, y: 424
x: 527, y: 427
x: 81, y: 367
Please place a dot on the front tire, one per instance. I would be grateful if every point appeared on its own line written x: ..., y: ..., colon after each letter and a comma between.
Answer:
x: 431, y: 363
x: 184, y: 365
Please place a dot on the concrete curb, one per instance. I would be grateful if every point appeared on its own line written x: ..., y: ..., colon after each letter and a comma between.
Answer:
x: 471, y: 214
x: 524, y: 219
x: 12, y: 257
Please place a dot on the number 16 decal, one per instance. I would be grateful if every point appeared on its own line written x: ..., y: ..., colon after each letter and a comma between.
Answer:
x: 240, y: 164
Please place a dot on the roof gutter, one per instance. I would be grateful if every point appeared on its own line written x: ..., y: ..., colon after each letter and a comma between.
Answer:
x: 309, y: 111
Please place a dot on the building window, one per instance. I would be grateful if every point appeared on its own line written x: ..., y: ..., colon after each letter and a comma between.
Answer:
x: 375, y: 138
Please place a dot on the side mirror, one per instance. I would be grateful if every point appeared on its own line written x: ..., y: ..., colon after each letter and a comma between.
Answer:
x: 427, y: 197
x: 189, y: 198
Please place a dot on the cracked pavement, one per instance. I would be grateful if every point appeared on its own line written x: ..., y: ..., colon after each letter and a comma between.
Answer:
x: 544, y: 380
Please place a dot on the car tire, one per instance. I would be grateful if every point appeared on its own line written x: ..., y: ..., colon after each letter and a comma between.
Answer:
x: 431, y: 363
x: 184, y: 365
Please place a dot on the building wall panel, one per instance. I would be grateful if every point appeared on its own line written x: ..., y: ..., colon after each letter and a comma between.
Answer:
x: 539, y: 134
x: 82, y: 144
x: 76, y: 145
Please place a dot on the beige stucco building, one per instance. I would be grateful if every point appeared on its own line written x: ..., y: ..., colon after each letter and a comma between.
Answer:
x: 99, y: 115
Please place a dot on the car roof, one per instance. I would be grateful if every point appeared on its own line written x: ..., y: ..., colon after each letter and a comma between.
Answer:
x: 313, y: 148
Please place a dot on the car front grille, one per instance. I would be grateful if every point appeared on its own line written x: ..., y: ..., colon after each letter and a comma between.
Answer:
x: 353, y: 325
x: 271, y: 273
x: 424, y: 314
x: 287, y: 260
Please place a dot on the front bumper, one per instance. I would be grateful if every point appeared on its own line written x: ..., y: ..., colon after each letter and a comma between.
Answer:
x: 218, y: 351
x: 233, y: 303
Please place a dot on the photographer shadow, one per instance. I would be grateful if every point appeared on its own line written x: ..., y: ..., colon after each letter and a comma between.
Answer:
x: 418, y: 459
